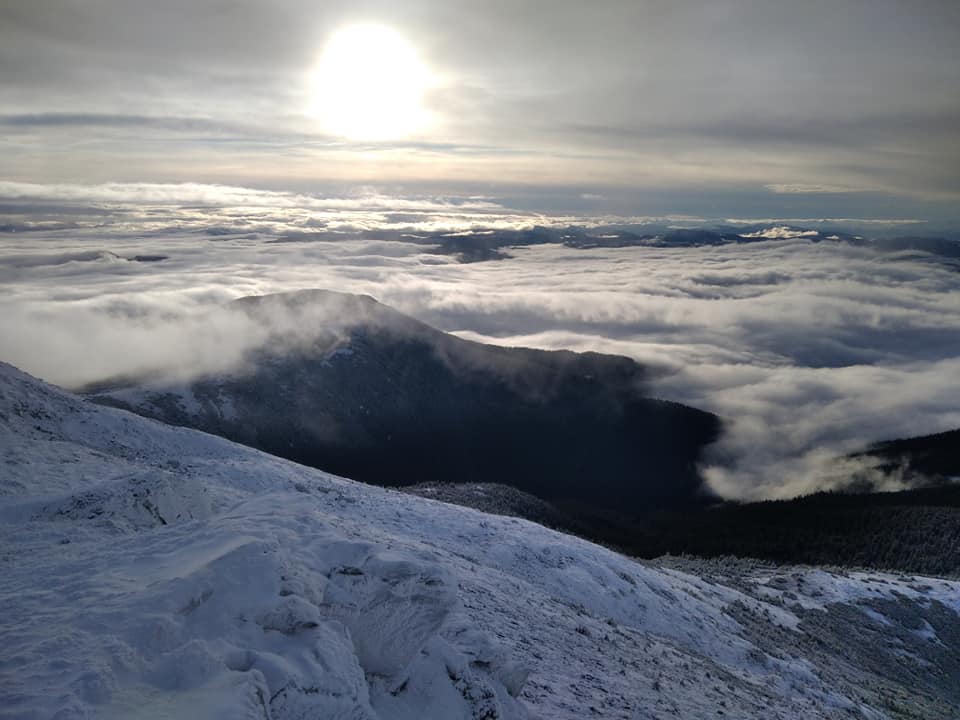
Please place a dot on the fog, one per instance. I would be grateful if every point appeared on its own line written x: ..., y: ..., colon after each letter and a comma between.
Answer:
x: 808, y: 350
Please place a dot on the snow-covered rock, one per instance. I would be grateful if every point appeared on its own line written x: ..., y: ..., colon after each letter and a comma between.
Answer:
x: 152, y: 571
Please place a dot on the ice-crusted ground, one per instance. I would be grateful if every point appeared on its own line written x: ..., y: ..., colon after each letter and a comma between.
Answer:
x: 151, y: 571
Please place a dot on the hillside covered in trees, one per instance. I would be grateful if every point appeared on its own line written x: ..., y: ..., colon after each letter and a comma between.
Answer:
x: 915, y: 531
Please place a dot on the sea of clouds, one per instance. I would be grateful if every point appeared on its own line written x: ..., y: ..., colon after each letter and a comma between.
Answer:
x: 808, y: 350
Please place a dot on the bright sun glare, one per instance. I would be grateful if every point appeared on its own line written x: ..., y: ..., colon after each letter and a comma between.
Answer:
x: 369, y: 85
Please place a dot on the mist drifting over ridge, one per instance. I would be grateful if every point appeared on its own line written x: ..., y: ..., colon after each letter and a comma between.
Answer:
x: 808, y: 347
x: 297, y: 298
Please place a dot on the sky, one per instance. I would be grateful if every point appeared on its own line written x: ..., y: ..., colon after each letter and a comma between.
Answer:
x: 727, y: 108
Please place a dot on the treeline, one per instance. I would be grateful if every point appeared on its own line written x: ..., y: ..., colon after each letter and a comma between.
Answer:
x: 915, y: 531
x: 931, y: 456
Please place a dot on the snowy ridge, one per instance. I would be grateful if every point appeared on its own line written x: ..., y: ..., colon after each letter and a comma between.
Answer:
x: 153, y: 571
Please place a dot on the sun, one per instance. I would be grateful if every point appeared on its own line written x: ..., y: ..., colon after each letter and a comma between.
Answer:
x: 369, y: 85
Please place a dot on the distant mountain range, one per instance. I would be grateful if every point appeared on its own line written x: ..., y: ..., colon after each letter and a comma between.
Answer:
x: 367, y: 392
x: 490, y: 244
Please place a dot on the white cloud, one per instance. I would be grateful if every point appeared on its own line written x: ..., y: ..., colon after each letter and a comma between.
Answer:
x: 230, y: 196
x: 781, y: 232
x: 811, y: 350
x: 827, y: 220
x: 815, y: 188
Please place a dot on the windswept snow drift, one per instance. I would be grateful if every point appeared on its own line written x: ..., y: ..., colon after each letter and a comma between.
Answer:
x: 151, y: 571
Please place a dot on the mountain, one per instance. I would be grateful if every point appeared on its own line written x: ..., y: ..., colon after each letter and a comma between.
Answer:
x: 498, y: 499
x: 908, y: 531
x: 927, y: 459
x: 154, y: 571
x: 912, y: 530
x: 351, y: 386
x: 489, y: 244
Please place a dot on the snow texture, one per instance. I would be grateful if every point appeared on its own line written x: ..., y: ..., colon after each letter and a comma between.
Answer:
x: 152, y: 571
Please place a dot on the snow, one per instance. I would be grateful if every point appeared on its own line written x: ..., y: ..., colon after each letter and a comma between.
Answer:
x: 781, y: 232
x: 818, y: 589
x: 153, y: 571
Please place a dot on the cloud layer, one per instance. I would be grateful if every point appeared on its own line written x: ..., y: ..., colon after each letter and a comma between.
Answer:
x: 810, y: 350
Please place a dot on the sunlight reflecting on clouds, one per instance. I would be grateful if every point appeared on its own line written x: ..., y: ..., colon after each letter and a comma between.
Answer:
x: 369, y: 85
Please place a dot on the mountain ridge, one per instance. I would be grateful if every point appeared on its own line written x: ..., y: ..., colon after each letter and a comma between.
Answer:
x: 362, y: 390
x: 155, y: 569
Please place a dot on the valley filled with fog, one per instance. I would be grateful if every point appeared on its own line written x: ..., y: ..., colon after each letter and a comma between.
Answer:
x: 809, y: 344
x: 365, y: 360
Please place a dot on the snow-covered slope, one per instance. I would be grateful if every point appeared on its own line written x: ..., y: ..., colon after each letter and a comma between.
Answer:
x: 151, y: 571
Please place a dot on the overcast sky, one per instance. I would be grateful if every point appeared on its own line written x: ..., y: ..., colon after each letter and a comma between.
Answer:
x: 842, y: 108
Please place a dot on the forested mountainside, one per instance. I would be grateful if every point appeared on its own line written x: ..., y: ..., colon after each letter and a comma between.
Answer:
x: 927, y: 459
x: 910, y: 531
x: 364, y: 391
